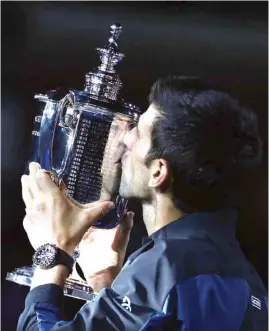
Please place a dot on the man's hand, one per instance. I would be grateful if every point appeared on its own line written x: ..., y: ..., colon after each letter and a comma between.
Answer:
x: 53, y: 218
x: 102, y: 253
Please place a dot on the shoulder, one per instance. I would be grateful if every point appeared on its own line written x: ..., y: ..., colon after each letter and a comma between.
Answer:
x: 189, y: 257
x: 165, y: 263
x: 178, y: 258
x: 151, y: 272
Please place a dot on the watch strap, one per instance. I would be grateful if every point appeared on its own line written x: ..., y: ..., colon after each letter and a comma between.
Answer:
x: 65, y: 259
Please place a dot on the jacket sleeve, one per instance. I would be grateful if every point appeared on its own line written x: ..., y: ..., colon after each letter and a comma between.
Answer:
x: 136, y: 295
x: 108, y: 311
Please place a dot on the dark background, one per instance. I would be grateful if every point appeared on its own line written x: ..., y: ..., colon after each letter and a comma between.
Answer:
x: 51, y: 44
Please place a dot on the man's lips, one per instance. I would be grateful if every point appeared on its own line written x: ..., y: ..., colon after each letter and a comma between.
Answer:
x: 119, y: 160
x: 118, y: 164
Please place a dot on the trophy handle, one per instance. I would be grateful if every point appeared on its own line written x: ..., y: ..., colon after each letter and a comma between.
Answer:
x: 58, y: 114
x: 46, y: 130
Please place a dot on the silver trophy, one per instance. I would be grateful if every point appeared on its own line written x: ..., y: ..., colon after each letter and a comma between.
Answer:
x: 77, y: 137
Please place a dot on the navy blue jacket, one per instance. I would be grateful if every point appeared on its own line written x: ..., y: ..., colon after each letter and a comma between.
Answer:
x: 190, y: 275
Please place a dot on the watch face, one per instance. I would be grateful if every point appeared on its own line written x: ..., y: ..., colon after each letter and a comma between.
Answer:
x: 45, y: 256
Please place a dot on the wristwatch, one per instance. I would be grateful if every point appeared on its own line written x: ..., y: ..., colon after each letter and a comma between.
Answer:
x: 49, y: 255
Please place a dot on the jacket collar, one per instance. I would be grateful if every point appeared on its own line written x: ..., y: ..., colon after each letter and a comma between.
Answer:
x: 196, y: 224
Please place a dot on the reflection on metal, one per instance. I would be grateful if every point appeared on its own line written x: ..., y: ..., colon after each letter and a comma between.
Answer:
x: 74, y: 287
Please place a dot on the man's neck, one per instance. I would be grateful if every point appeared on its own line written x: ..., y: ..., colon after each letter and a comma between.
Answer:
x: 158, y: 213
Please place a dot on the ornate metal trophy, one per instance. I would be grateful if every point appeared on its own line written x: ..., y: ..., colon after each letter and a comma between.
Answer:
x: 78, y: 138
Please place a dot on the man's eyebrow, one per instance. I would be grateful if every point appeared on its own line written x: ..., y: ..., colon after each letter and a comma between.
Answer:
x: 137, y: 129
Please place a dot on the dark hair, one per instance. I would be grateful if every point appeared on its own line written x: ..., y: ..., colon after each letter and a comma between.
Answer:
x: 207, y: 138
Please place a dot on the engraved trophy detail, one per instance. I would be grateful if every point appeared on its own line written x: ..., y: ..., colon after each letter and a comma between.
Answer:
x: 77, y: 137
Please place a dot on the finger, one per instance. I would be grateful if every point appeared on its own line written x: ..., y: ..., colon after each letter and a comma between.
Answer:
x: 27, y: 195
x: 126, y: 222
x: 33, y: 169
x: 45, y: 184
x: 96, y: 211
x: 25, y: 223
x: 125, y: 228
x: 123, y: 234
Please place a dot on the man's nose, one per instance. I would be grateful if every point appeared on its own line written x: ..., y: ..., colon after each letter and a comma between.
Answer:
x: 128, y: 139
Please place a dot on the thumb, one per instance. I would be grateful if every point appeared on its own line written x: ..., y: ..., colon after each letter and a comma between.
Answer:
x: 62, y: 186
x: 95, y: 211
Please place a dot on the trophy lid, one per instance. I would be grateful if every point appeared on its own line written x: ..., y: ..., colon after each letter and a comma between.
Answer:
x: 104, y: 83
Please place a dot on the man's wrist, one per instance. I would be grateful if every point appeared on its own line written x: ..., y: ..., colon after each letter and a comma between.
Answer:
x: 69, y: 250
x: 56, y: 275
x: 49, y: 255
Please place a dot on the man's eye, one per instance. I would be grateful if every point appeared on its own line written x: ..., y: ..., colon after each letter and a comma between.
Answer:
x: 131, y: 126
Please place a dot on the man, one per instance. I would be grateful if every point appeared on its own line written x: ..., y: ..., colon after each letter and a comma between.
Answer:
x: 183, y: 162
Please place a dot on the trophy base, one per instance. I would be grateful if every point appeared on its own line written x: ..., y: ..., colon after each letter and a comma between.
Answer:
x: 74, y: 286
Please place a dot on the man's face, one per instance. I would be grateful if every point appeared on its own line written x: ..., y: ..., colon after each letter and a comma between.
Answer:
x: 135, y: 174
x: 111, y: 166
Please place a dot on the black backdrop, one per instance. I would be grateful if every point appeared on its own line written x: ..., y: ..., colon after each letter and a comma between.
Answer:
x: 51, y: 44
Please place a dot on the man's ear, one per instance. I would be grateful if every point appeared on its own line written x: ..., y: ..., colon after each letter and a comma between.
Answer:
x: 159, y: 172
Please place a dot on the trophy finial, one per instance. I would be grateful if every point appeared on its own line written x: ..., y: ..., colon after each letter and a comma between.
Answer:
x: 115, y: 31
x: 104, y: 82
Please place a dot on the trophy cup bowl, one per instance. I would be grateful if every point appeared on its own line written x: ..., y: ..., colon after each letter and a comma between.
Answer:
x: 78, y: 138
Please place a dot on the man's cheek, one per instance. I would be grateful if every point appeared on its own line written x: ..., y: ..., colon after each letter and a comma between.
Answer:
x: 143, y: 149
